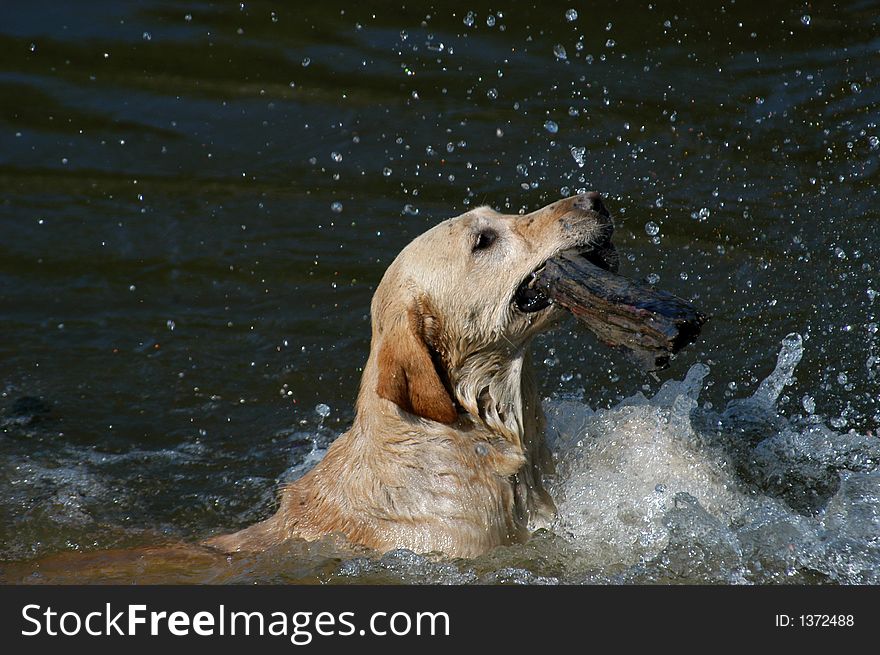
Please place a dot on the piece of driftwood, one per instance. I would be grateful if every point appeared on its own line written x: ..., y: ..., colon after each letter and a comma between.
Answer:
x: 646, y: 323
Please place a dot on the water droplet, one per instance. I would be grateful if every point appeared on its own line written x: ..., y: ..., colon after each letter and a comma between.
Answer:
x: 410, y: 210
x: 855, y: 87
x: 559, y: 51
x: 652, y: 278
x: 551, y: 127
x: 571, y: 15
x: 386, y: 171
x: 874, y: 142
x: 490, y: 20
x: 579, y: 155
x: 322, y: 410
x: 170, y: 324
x: 469, y: 19
x: 492, y: 94
x: 652, y: 229
x: 809, y: 404
x: 805, y: 19
x: 336, y: 206
x: 146, y: 36
x: 793, y: 342
x: 336, y: 156
x: 306, y: 61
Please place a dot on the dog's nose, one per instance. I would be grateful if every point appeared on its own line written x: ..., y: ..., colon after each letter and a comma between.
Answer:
x: 592, y: 200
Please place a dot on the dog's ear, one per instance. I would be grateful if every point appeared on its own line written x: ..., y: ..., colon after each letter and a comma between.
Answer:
x: 408, y: 375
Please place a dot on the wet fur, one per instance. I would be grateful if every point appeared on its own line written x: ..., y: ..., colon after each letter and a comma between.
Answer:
x: 446, y: 453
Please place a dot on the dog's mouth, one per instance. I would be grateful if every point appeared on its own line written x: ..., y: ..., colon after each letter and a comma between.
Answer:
x: 532, y: 294
x: 530, y: 297
x: 648, y: 324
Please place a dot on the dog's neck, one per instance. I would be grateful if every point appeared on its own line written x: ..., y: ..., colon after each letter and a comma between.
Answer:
x: 498, y: 393
x: 490, y: 387
x: 499, y: 389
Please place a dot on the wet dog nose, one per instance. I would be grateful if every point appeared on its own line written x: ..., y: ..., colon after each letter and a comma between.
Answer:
x: 592, y: 200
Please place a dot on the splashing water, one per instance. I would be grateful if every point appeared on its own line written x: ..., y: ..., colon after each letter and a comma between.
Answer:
x: 624, y: 473
x: 653, y: 490
x: 662, y: 490
x: 789, y: 357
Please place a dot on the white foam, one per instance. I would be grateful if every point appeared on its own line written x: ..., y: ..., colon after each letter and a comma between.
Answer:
x: 657, y: 489
x: 620, y: 470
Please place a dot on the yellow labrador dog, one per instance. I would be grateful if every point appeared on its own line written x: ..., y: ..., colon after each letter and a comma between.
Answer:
x: 446, y: 453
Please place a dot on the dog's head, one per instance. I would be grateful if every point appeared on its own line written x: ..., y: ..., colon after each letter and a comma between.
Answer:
x: 454, y: 312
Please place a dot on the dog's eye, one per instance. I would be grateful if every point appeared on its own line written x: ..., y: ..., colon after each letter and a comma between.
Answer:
x: 485, y: 238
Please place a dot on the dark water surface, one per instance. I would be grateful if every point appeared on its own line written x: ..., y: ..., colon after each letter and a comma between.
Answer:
x: 197, y: 200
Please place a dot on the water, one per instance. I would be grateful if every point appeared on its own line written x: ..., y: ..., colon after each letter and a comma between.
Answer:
x: 666, y: 490
x: 192, y: 224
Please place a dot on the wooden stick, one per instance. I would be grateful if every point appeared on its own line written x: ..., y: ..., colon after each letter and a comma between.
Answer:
x: 647, y: 323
